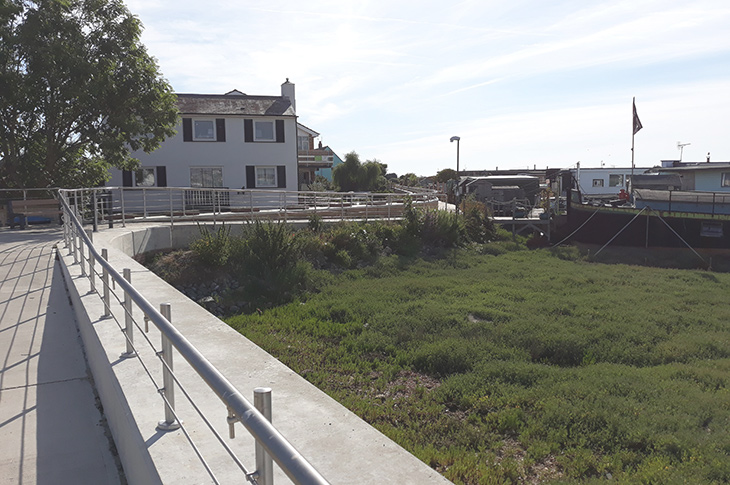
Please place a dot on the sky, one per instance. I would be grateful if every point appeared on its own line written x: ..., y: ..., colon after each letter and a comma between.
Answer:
x: 523, y: 83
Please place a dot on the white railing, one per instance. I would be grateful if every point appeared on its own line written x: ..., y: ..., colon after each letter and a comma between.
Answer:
x: 103, y: 279
x: 107, y: 205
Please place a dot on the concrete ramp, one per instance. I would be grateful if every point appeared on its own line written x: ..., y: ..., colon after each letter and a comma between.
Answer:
x: 51, y: 427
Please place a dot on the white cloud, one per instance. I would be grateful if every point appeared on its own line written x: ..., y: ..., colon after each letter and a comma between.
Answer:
x: 523, y: 82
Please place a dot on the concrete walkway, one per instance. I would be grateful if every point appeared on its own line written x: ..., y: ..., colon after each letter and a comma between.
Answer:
x: 51, y: 430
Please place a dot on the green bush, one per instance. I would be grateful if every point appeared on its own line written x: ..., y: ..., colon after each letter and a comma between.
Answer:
x: 213, y: 247
x: 267, y: 263
x: 316, y: 223
x: 477, y: 224
x: 358, y: 241
x: 442, y: 229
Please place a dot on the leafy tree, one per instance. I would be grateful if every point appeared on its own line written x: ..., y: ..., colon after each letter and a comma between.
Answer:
x: 443, y: 176
x: 79, y: 92
x: 409, y: 179
x: 352, y: 175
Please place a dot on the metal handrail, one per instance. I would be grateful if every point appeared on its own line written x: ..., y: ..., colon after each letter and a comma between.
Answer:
x: 289, y: 459
x: 183, y: 203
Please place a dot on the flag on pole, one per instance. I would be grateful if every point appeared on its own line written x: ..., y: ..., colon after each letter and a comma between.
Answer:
x: 637, y: 123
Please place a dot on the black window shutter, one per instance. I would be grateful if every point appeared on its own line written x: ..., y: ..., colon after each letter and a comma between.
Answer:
x: 187, y: 129
x: 281, y: 176
x: 126, y: 178
x: 162, y: 176
x: 220, y: 129
x: 250, y: 177
x: 279, y: 131
x: 248, y: 131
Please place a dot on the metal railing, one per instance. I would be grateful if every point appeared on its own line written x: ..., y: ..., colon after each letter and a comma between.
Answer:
x: 270, y: 444
x: 110, y: 205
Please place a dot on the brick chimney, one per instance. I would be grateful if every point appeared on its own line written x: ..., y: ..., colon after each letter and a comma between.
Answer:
x: 287, y: 90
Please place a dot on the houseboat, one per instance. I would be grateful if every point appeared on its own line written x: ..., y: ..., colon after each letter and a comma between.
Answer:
x: 690, y: 208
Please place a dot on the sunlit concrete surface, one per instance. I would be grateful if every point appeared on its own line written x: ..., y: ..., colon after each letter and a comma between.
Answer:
x: 51, y: 430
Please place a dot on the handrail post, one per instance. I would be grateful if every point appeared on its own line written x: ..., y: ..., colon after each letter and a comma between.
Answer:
x: 250, y: 204
x: 66, y: 230
x: 92, y: 283
x: 121, y: 198
x: 282, y: 202
x: 96, y: 210
x: 128, y: 323
x: 105, y: 282
x: 72, y: 237
x: 81, y: 254
x: 264, y: 463
x: 168, y: 383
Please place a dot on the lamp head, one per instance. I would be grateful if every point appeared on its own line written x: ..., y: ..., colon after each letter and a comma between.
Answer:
x: 455, y: 138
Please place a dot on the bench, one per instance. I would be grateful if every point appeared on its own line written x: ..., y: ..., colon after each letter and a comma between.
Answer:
x: 19, y: 211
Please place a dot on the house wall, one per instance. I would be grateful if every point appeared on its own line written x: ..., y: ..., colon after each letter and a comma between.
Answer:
x: 587, y: 177
x: 327, y: 172
x: 710, y: 180
x: 233, y: 155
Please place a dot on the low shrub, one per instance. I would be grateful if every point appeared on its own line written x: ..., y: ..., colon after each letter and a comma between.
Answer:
x: 442, y: 229
x: 478, y: 226
x: 213, y: 247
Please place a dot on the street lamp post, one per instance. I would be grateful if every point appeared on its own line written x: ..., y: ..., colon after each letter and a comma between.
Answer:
x: 458, y: 179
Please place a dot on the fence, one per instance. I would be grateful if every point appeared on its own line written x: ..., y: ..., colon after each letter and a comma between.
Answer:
x: 110, y: 205
x: 270, y: 444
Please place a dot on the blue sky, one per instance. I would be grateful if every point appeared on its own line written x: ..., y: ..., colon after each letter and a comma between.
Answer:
x: 524, y: 83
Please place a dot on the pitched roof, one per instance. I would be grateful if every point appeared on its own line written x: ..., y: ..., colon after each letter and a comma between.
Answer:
x: 307, y: 130
x: 234, y: 103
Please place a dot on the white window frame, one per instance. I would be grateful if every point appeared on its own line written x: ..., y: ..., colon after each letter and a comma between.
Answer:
x: 725, y: 181
x: 598, y: 182
x: 263, y: 177
x: 256, y: 136
x: 620, y: 180
x: 195, y: 132
x: 303, y: 143
x: 212, y: 178
x: 139, y: 174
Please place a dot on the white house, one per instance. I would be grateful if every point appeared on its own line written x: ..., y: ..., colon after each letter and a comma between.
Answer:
x: 233, y: 140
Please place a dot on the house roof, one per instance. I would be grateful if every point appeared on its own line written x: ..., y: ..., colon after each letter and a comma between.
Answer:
x: 307, y: 130
x: 694, y: 168
x: 234, y: 103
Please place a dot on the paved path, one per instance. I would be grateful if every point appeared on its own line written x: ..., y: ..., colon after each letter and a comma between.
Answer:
x: 51, y: 431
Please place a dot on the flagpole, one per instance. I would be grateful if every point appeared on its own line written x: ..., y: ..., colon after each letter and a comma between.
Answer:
x: 633, y: 134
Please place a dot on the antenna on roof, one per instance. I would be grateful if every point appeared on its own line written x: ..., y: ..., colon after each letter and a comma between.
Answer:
x: 680, y: 147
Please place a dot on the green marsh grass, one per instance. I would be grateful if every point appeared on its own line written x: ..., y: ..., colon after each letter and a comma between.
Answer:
x: 500, y: 366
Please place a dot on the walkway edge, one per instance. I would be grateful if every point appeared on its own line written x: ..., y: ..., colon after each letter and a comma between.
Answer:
x: 136, y: 460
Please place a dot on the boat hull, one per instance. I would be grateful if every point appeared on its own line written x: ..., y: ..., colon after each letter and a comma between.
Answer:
x: 629, y: 226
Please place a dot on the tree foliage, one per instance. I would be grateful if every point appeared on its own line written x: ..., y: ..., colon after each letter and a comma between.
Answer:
x: 352, y: 175
x: 79, y: 92
x: 408, y: 179
x: 443, y: 176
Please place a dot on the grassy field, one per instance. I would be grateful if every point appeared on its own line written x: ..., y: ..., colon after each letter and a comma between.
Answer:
x: 523, y: 366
